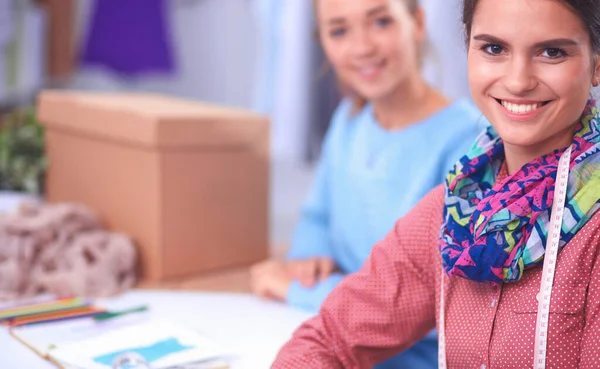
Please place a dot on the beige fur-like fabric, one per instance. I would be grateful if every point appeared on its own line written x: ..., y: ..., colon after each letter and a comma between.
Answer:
x: 62, y: 249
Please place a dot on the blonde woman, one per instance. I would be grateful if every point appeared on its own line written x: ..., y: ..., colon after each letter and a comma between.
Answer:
x: 391, y: 140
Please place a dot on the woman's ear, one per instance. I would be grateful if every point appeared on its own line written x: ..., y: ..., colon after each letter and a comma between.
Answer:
x: 420, y: 23
x: 596, y: 74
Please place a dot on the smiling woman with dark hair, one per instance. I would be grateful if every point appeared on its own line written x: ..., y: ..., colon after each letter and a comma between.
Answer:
x: 503, y: 259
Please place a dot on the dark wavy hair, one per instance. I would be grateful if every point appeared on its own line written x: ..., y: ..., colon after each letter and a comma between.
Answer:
x: 587, y: 10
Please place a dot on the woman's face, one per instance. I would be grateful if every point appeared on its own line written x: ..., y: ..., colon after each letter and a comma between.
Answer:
x: 371, y: 44
x: 531, y: 67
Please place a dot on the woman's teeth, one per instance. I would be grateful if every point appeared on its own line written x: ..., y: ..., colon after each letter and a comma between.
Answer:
x: 370, y: 70
x: 521, y: 108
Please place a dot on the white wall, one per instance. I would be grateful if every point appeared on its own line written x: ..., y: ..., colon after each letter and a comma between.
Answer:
x: 446, y: 68
x: 215, y: 47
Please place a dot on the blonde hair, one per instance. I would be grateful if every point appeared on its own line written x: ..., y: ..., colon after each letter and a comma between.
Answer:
x: 358, y: 102
x: 412, y: 5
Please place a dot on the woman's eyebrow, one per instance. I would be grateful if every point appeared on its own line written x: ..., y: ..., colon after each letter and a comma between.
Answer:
x: 489, y: 39
x: 557, y: 42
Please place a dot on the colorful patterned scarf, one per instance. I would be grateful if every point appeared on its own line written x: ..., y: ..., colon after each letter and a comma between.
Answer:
x: 493, y: 231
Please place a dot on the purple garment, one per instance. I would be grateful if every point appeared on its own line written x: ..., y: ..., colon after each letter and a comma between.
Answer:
x: 130, y: 36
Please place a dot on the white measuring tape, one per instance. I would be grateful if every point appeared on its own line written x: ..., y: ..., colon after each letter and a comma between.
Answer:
x: 442, y: 327
x: 543, y: 313
x: 550, y: 257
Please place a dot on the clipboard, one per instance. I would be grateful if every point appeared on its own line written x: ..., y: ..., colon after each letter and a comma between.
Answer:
x: 36, y: 350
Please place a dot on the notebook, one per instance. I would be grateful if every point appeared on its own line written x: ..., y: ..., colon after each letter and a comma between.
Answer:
x: 85, y: 343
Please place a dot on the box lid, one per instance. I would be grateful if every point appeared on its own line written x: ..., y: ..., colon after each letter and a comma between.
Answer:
x: 149, y: 119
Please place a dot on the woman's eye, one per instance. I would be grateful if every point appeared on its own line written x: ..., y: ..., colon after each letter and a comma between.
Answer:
x: 493, y: 49
x: 383, y: 22
x: 553, y: 53
x: 337, y: 32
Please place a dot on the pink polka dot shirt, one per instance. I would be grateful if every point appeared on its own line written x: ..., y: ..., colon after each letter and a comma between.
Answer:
x: 393, y: 301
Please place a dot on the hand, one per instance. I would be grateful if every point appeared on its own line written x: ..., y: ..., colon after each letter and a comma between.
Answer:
x: 270, y: 279
x: 308, y: 271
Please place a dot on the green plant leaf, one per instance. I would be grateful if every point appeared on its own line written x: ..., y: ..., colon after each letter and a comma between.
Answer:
x: 22, y: 157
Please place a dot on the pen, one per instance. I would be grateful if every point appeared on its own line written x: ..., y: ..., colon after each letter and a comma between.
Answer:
x: 114, y: 314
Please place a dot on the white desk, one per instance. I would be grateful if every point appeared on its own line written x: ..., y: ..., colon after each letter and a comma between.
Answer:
x: 253, y: 328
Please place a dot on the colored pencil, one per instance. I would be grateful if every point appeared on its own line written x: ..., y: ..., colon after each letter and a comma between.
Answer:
x: 45, y: 307
x: 79, y: 312
x: 115, y: 314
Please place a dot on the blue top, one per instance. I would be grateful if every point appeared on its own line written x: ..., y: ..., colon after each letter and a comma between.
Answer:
x: 367, y: 178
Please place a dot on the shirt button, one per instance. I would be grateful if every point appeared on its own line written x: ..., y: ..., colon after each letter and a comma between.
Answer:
x: 493, y: 304
x: 483, y: 366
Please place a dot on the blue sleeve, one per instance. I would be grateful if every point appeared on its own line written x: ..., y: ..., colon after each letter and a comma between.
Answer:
x: 310, y: 299
x: 311, y: 235
x: 311, y: 239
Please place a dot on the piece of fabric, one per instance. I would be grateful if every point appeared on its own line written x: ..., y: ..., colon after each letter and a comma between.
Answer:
x: 62, y: 249
x: 130, y: 37
x: 393, y: 301
x: 493, y: 232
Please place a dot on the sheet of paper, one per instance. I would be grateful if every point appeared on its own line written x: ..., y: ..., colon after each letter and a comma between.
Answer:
x: 254, y: 328
x: 43, y: 337
x: 162, y: 343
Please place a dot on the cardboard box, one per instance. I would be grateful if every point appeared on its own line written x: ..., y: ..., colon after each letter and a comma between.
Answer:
x: 187, y: 181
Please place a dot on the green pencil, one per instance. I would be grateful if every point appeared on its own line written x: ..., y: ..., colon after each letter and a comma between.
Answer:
x: 114, y: 314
